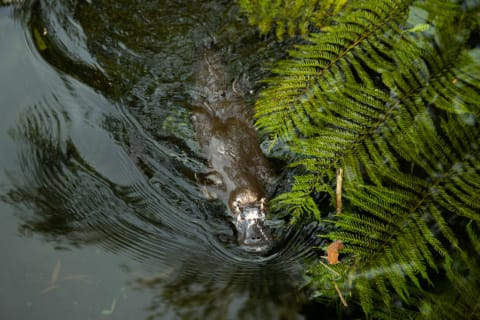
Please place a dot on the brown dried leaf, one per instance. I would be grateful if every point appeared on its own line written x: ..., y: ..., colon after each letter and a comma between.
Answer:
x: 332, y: 251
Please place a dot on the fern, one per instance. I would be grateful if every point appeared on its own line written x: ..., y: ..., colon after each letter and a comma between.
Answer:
x: 389, y: 91
x: 333, y: 112
x: 290, y: 17
x: 395, y: 230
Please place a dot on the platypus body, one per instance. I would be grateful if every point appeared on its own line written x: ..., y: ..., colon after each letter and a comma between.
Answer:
x: 228, y: 140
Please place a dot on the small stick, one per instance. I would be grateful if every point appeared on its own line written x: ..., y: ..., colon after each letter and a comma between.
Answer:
x: 340, y: 295
x: 329, y: 269
x: 56, y: 272
x: 48, y: 289
x: 339, y: 190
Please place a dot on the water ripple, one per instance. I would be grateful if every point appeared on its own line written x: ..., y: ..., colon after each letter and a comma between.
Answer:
x: 113, y: 165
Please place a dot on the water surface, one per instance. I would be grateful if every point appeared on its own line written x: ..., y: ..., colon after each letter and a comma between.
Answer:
x: 101, y: 214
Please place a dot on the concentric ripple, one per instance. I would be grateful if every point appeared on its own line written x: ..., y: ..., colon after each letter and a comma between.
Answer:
x: 108, y: 158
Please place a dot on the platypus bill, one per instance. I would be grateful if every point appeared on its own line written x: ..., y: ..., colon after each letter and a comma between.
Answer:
x: 228, y: 140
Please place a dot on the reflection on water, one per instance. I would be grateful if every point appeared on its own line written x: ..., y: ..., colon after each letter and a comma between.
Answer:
x: 108, y: 157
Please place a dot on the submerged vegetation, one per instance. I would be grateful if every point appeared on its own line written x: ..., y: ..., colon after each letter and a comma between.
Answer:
x: 387, y: 91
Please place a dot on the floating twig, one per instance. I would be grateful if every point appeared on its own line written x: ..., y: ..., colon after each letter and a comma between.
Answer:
x: 55, y: 278
x: 78, y: 277
x: 48, y: 289
x: 56, y: 272
x: 107, y: 312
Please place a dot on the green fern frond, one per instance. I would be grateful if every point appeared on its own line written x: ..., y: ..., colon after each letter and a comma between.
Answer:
x: 318, y: 71
x: 460, y: 301
x: 299, y: 204
x: 298, y: 201
x: 390, y: 92
x: 290, y: 17
x: 326, y: 114
x: 395, y: 233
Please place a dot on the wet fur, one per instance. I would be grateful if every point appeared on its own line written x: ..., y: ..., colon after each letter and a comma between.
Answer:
x: 225, y: 132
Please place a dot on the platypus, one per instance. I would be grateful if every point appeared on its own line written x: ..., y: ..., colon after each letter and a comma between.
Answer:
x: 228, y: 140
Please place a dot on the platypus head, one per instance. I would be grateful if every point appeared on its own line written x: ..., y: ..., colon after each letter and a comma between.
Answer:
x: 249, y: 215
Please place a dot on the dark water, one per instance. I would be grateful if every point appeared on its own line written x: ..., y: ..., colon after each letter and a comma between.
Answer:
x: 100, y: 213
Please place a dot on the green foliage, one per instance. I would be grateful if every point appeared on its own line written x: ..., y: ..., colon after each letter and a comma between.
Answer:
x: 460, y: 301
x: 290, y: 17
x: 389, y: 91
x: 403, y: 228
